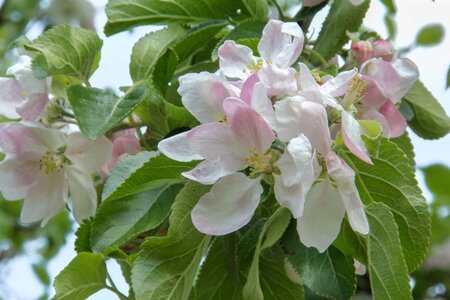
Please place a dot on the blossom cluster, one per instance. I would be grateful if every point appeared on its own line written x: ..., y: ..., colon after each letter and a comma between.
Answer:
x: 271, y: 118
x: 49, y: 164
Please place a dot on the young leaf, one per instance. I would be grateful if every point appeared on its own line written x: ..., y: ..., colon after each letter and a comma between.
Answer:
x: 219, y: 276
x: 391, y: 181
x: 120, y: 220
x: 166, y: 266
x: 404, y: 143
x: 343, y: 17
x: 436, y: 177
x: 126, y: 14
x: 430, y: 35
x: 258, y: 9
x: 66, y: 50
x: 329, y: 274
x: 84, y: 276
x: 150, y: 48
x: 98, y: 110
x: 387, y: 268
x: 430, y: 120
x: 146, y: 169
x: 83, y: 234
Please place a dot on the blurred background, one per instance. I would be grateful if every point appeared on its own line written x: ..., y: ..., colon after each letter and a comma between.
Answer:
x: 30, y: 256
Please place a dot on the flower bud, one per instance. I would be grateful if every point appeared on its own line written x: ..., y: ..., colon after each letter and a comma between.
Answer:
x: 362, y: 50
x: 383, y: 49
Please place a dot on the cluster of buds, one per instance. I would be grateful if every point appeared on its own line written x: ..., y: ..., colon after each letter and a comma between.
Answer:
x: 366, y: 49
x: 263, y: 119
x: 50, y: 166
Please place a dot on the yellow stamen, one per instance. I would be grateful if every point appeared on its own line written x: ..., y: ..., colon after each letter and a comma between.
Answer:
x: 255, y: 66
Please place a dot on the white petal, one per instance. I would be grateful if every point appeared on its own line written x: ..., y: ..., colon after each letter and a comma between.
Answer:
x: 83, y: 196
x: 306, y: 81
x: 262, y: 104
x: 23, y: 72
x: 177, y: 148
x: 234, y: 59
x: 278, y: 81
x: 338, y: 86
x: 10, y: 97
x: 321, y: 220
x: 209, y: 171
x: 33, y: 107
x: 229, y: 205
x: 17, y: 175
x: 351, y: 133
x: 344, y: 176
x: 203, y: 94
x: 87, y: 154
x: 45, y: 198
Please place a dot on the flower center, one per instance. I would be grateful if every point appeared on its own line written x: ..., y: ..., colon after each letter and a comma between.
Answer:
x: 316, y: 75
x: 255, y: 66
x: 356, y: 90
x: 52, y: 161
x: 260, y: 164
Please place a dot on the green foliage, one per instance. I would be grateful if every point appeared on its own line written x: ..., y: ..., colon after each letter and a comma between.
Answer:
x: 448, y: 78
x: 436, y: 178
x: 391, y: 181
x: 83, y: 276
x: 66, y: 50
x: 97, y: 111
x: 430, y: 35
x: 343, y: 17
x: 405, y: 144
x: 329, y: 274
x: 166, y: 266
x: 83, y: 234
x: 386, y: 264
x: 430, y: 120
x: 126, y: 14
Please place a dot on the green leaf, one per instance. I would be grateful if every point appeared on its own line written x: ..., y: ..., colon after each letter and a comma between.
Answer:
x: 430, y: 35
x: 258, y: 9
x: 267, y: 237
x: 150, y: 48
x: 404, y: 143
x: 391, y: 180
x: 164, y: 69
x: 84, y: 276
x: 219, y: 276
x: 448, y: 78
x: 142, y: 171
x: 245, y: 30
x: 329, y: 274
x: 391, y: 25
x: 120, y: 220
x: 430, y: 120
x: 97, y: 111
x: 436, y: 178
x: 387, y: 268
x: 126, y: 14
x: 166, y: 267
x: 343, y: 17
x: 83, y: 234
x: 66, y: 50
x: 390, y: 5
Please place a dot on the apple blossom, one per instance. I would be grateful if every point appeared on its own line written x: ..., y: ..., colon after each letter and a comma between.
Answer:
x: 22, y: 96
x: 49, y: 170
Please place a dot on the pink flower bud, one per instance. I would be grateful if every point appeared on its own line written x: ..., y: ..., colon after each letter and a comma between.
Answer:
x: 362, y: 50
x: 383, y: 49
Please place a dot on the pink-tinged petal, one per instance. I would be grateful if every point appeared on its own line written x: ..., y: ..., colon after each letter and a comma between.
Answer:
x: 295, y: 116
x: 321, y: 220
x: 262, y: 104
x: 394, y: 78
x: 344, y: 177
x: 311, y: 3
x: 19, y: 138
x: 177, y: 148
x: 247, y: 88
x: 23, y: 72
x: 250, y: 129
x: 306, y: 81
x: 33, y: 107
x: 292, y: 197
x: 45, y: 198
x: 281, y: 43
x: 83, y: 197
x: 214, y: 140
x: 278, y: 81
x: 351, y: 133
x: 203, y: 94
x: 17, y: 174
x: 209, y: 171
x: 229, y: 205
x: 396, y: 121
x: 362, y: 50
x: 373, y: 97
x: 338, y: 86
x: 296, y: 160
x: 87, y: 154
x: 124, y: 143
x: 10, y: 97
x: 234, y: 59
x: 384, y: 49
